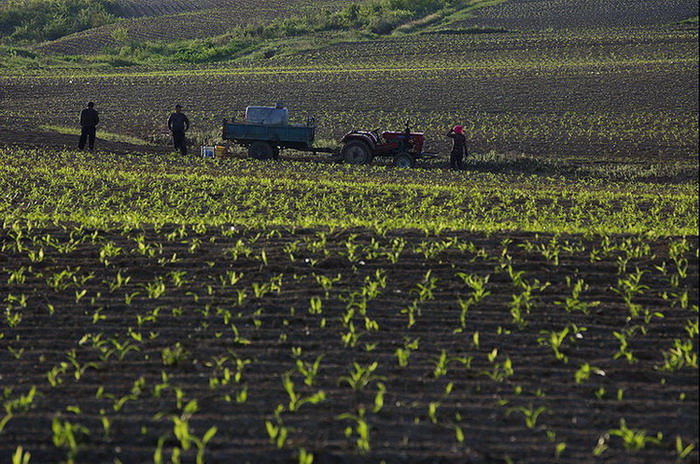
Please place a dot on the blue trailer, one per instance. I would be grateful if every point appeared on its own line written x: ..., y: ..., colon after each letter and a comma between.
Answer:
x: 264, y: 141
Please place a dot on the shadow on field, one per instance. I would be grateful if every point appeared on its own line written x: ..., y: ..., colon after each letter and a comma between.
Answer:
x: 489, y: 162
x: 642, y: 171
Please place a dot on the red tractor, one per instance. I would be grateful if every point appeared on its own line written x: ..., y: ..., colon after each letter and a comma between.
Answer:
x: 405, y: 147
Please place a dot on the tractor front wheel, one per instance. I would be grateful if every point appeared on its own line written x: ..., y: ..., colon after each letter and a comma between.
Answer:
x: 356, y: 152
x: 404, y: 161
x: 261, y: 151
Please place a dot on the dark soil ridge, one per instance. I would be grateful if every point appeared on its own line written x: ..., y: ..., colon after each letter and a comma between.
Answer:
x: 403, y: 431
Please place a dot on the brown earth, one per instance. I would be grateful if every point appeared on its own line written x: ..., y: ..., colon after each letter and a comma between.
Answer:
x: 512, y: 96
x: 170, y: 21
x: 200, y: 313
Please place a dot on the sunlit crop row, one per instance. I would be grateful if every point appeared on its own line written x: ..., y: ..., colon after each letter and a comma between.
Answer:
x: 107, y: 189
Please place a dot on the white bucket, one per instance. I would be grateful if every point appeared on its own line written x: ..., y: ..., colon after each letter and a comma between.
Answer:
x: 208, y: 152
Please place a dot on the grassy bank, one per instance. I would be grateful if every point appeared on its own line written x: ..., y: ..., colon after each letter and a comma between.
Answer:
x: 310, y: 28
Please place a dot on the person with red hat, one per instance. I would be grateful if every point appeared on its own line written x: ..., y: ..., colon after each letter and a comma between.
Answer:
x: 459, y: 147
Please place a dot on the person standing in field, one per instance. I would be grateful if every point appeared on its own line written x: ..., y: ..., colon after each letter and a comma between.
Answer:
x: 89, y: 118
x: 178, y: 124
x: 459, y: 147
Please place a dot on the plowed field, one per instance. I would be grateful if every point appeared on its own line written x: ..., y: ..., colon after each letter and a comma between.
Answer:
x: 526, y: 15
x: 220, y: 318
x: 586, y: 96
x: 155, y: 305
x: 165, y: 22
x: 528, y: 309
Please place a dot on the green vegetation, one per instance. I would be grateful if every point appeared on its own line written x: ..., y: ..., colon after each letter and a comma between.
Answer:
x: 541, y: 304
x: 301, y: 195
x: 356, y: 21
x: 308, y: 29
x: 288, y: 326
x: 691, y: 20
x: 31, y: 21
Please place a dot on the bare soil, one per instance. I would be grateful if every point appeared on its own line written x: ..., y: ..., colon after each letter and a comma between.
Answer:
x: 272, y: 325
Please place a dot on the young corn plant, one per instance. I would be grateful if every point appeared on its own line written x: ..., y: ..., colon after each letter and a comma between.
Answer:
x: 554, y: 340
x: 305, y: 457
x: 361, y: 429
x: 424, y: 289
x: 519, y: 306
x: 624, y: 350
x: 584, y: 373
x: 379, y: 397
x: 629, y: 288
x: 397, y: 246
x: 529, y: 413
x: 187, y: 439
x: 277, y: 432
x: 403, y: 354
x: 309, y: 370
x: 443, y: 361
x: 327, y: 282
x: 681, y: 355
x: 635, y: 440
x: 500, y: 370
x: 683, y: 450
x: 574, y: 303
x: 21, y: 456
x: 69, y: 436
x: 295, y: 399
x: 108, y: 251
x: 315, y: 305
x: 413, y: 311
x: 361, y: 376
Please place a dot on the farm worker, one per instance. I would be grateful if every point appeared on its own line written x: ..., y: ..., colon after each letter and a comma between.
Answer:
x: 179, y: 124
x: 459, y: 147
x: 88, y: 122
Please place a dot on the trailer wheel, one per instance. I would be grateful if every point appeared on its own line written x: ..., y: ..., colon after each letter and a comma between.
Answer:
x: 404, y: 161
x: 356, y: 152
x: 261, y: 151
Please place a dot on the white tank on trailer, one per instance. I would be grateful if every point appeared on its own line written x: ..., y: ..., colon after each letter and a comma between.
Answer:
x: 268, y: 115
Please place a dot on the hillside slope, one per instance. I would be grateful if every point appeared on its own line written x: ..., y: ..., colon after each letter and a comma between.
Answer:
x: 165, y: 21
x: 160, y: 21
x: 575, y: 14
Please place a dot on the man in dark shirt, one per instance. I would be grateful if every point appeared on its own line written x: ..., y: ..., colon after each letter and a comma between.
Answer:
x: 459, y: 147
x: 88, y: 123
x: 178, y: 125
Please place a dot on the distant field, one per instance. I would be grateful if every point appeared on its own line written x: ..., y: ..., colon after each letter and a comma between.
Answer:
x: 166, y: 21
x: 587, y: 96
x: 158, y: 20
x: 578, y: 14
x: 538, y: 307
x: 136, y: 8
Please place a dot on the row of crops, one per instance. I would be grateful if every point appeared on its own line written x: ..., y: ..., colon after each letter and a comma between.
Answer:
x: 130, y: 189
x: 612, y: 95
x: 170, y: 310
x: 573, y: 14
x: 166, y: 22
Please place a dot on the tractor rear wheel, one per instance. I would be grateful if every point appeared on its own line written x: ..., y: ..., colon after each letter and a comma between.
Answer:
x: 356, y: 152
x: 261, y: 151
x: 404, y: 161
